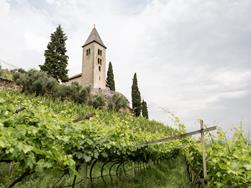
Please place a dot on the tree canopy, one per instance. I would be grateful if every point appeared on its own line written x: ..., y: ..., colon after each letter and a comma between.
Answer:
x: 56, y: 60
x: 136, y: 97
x: 110, y: 83
x: 144, y: 109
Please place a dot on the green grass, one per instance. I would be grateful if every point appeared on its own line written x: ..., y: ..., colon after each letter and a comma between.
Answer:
x: 166, y: 174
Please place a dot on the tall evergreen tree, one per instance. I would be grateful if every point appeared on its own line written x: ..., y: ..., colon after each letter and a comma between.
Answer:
x: 144, y: 109
x: 110, y: 78
x: 136, y: 98
x: 56, y: 60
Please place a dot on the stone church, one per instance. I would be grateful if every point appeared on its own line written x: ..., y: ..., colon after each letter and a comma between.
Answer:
x: 93, y: 63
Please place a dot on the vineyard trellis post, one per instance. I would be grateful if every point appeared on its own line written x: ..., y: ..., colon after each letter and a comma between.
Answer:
x: 203, y: 154
x: 202, y: 131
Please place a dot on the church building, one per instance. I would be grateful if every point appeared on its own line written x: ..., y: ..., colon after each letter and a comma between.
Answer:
x: 93, y: 63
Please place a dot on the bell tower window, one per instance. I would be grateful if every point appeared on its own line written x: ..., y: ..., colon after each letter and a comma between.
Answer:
x: 99, y: 52
x: 88, y: 51
x: 99, y: 61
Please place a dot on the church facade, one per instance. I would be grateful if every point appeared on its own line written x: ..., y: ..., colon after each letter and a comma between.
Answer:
x: 93, y: 63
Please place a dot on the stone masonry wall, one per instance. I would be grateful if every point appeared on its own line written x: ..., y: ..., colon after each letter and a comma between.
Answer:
x: 8, y: 85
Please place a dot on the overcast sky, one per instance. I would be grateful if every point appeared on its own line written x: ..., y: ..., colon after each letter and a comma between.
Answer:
x: 193, y: 58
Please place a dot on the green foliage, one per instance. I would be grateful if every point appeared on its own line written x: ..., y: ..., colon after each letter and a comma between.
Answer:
x: 43, y: 138
x: 39, y: 83
x: 56, y: 59
x: 6, y: 74
x: 73, y: 92
x: 110, y: 83
x: 117, y: 102
x: 144, y: 109
x: 169, y: 173
x: 98, y: 101
x: 136, y: 97
x: 228, y: 159
x: 36, y: 82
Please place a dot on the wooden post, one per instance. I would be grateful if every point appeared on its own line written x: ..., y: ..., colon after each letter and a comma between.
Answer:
x: 203, y: 154
x: 180, y: 136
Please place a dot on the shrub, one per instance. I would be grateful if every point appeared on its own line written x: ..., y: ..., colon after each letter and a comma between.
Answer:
x: 6, y: 74
x: 62, y: 92
x: 78, y: 93
x: 98, y: 101
x: 40, y: 83
x: 116, y: 102
x: 35, y: 82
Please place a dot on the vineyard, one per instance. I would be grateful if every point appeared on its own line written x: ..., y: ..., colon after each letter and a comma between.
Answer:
x: 49, y: 143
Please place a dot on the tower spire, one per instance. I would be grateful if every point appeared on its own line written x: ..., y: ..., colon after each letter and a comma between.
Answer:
x: 94, y: 37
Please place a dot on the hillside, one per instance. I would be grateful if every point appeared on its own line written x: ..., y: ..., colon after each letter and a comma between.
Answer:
x: 53, y: 137
x: 51, y: 143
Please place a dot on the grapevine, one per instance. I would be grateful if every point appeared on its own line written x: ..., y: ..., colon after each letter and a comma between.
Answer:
x: 39, y: 135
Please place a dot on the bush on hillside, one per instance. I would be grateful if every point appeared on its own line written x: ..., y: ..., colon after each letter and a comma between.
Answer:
x: 98, y: 101
x: 117, y: 102
x: 39, y: 83
x: 36, y: 82
x: 6, y: 74
x: 73, y: 92
x: 79, y: 94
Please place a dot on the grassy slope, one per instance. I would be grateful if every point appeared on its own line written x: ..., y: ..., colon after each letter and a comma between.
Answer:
x: 167, y: 174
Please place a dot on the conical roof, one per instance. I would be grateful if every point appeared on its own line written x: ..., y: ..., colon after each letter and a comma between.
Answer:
x: 94, y: 37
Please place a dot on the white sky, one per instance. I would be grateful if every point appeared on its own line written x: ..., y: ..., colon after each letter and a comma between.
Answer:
x: 193, y: 58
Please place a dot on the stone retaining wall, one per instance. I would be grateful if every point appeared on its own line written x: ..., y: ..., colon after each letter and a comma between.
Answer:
x: 8, y: 85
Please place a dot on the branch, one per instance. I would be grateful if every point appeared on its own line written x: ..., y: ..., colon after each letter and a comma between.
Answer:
x: 86, y: 116
x: 5, y: 161
x: 19, y: 110
x: 19, y: 179
x: 58, y: 180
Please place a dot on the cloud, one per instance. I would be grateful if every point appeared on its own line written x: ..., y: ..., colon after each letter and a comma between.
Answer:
x: 192, y: 57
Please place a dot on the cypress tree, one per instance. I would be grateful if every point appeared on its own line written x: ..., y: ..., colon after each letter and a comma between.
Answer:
x: 136, y: 98
x: 110, y: 78
x: 144, y: 109
x: 56, y: 59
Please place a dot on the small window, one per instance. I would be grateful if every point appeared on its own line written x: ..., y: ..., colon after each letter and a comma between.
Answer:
x: 99, y: 78
x: 88, y: 51
x: 99, y: 68
x: 99, y: 52
x: 99, y: 61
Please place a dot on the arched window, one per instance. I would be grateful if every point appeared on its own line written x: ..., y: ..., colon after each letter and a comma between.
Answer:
x: 99, y: 52
x: 99, y: 68
x: 99, y: 61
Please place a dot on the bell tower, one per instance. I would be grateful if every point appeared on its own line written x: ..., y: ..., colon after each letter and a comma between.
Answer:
x: 94, y: 61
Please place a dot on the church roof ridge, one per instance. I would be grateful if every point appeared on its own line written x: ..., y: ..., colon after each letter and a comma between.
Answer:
x: 94, y: 37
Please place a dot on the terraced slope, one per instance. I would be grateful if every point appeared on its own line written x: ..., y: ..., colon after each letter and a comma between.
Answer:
x: 43, y: 136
